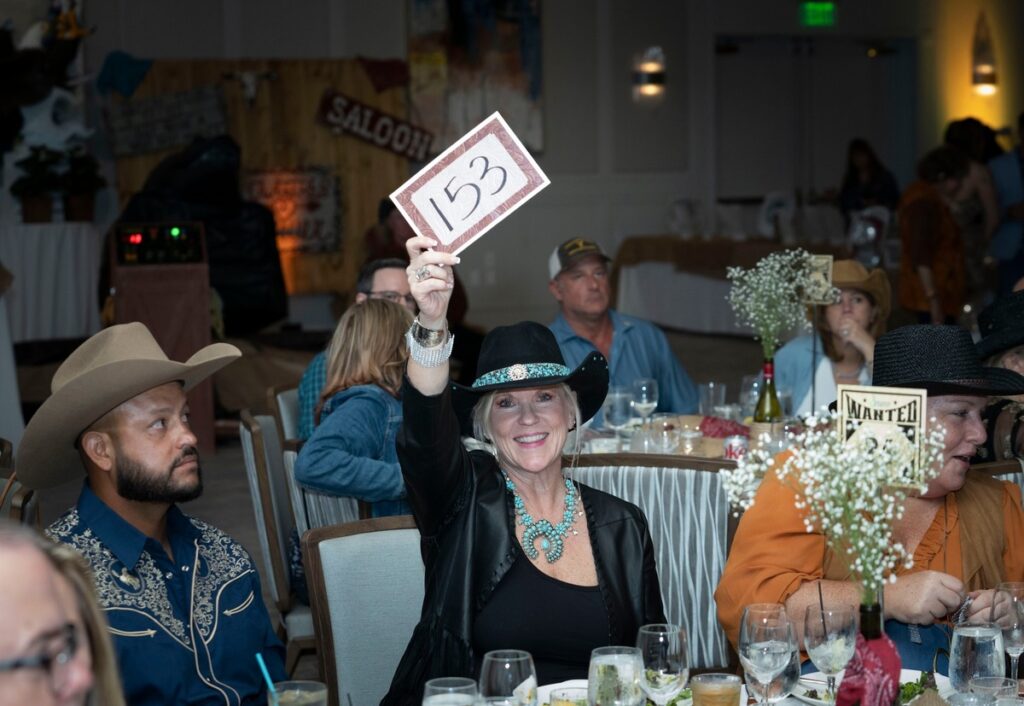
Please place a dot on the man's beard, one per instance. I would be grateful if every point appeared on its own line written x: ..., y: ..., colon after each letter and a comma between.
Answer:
x: 136, y: 482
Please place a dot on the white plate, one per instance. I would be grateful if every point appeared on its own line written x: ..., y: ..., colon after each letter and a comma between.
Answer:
x: 906, y: 675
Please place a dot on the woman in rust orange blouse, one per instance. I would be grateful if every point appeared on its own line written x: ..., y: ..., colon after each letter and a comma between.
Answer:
x: 964, y: 532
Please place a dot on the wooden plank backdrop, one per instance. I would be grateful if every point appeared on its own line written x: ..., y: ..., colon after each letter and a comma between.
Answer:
x: 279, y: 131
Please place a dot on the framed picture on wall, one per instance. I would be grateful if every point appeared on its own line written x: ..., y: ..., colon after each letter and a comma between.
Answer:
x: 468, y: 60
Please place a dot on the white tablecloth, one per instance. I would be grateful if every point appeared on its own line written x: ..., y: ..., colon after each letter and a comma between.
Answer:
x: 56, y: 274
x: 658, y: 292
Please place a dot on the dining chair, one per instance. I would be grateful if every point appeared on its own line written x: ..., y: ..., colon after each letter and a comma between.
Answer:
x: 691, y: 525
x: 21, y: 503
x: 268, y: 486
x: 283, y: 402
x: 366, y: 589
x: 1011, y: 469
x: 314, y: 509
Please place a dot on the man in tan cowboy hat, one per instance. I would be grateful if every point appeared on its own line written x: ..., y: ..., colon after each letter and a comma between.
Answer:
x: 182, y: 598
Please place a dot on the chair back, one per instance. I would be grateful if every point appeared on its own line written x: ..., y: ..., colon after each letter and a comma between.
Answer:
x: 284, y: 403
x: 366, y: 590
x: 264, y: 468
x: 314, y: 509
x: 1011, y: 469
x: 691, y: 525
x: 21, y: 503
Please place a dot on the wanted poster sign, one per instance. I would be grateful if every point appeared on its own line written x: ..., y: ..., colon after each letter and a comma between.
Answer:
x: 471, y: 186
x: 892, y: 417
x: 818, y: 289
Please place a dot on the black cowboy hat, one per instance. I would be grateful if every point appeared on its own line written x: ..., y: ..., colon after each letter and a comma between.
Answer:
x: 527, y: 355
x: 940, y: 359
x: 1001, y: 325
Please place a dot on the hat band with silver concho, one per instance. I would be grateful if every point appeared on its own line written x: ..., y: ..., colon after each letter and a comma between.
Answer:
x: 521, y: 371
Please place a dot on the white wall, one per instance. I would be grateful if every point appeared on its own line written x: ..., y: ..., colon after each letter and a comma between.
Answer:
x: 614, y: 166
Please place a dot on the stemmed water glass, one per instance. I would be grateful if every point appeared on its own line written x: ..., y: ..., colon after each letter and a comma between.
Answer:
x: 830, y: 636
x: 618, y: 410
x: 766, y: 642
x: 614, y: 677
x: 450, y: 691
x: 508, y: 677
x: 1008, y: 614
x: 645, y: 397
x: 666, y: 661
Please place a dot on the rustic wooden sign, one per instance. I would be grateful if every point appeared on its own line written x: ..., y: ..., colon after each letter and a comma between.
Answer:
x: 345, y: 115
x: 305, y: 204
x: 156, y: 123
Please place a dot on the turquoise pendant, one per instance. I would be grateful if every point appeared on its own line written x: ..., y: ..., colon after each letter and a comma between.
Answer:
x: 551, y: 536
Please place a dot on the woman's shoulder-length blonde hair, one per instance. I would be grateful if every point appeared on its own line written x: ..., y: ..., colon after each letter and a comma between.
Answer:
x: 367, y: 348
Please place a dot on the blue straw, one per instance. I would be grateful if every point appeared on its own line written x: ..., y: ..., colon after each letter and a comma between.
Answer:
x: 266, y: 675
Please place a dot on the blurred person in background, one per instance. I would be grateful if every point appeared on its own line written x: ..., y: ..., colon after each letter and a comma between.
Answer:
x: 866, y: 182
x: 845, y: 348
x: 932, y: 272
x: 974, y: 204
x: 352, y: 450
x: 1002, y: 346
x: 1007, y: 245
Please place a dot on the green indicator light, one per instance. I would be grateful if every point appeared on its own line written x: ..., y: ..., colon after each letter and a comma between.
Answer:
x: 814, y: 13
x: 175, y: 232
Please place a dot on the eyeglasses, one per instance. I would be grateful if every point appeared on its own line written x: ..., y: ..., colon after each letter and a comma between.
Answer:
x: 394, y: 297
x: 54, y: 660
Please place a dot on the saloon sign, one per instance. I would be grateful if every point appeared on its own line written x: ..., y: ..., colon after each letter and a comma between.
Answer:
x: 343, y: 114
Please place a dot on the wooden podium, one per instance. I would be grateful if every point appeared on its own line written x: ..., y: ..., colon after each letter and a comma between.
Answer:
x: 167, y: 287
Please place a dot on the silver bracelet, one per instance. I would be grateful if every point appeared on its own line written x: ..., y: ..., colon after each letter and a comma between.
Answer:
x: 432, y: 356
x: 428, y: 337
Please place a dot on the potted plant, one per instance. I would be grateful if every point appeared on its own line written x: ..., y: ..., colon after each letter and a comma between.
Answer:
x: 80, y: 183
x: 36, y: 186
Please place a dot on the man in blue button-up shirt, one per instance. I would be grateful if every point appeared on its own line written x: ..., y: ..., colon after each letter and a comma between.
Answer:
x: 634, y: 348
x: 182, y: 598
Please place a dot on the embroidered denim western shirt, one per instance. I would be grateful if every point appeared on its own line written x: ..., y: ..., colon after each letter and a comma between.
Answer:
x: 185, y: 631
x: 639, y: 350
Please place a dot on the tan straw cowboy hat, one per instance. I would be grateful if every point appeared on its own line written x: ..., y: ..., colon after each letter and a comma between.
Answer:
x: 113, y: 366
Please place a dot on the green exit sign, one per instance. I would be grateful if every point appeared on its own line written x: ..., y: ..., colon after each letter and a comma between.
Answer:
x: 817, y: 13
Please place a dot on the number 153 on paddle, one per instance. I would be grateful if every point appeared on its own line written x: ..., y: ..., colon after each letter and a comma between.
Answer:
x: 471, y: 186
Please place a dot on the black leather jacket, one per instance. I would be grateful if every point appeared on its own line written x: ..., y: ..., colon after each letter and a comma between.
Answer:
x: 467, y: 523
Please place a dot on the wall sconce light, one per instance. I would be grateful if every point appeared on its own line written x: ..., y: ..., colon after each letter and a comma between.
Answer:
x: 649, y: 75
x: 983, y: 60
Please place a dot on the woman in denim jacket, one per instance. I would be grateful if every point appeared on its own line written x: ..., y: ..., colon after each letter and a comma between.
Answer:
x: 352, y: 449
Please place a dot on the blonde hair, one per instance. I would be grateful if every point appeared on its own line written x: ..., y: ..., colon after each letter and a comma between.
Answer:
x: 71, y: 566
x: 367, y: 348
x: 481, y: 415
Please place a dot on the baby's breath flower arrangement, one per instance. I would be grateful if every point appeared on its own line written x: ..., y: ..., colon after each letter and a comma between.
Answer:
x: 769, y: 296
x: 851, y: 493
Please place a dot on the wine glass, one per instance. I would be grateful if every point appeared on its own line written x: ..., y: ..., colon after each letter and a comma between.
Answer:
x: 750, y: 390
x: 450, y: 691
x: 1008, y: 614
x: 976, y: 650
x: 645, y: 397
x: 781, y: 686
x: 766, y: 642
x: 830, y: 635
x: 508, y: 677
x: 666, y: 662
x: 618, y: 410
x: 614, y: 677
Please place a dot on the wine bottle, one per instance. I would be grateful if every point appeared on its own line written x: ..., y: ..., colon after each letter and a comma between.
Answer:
x: 768, y: 409
x: 871, y: 621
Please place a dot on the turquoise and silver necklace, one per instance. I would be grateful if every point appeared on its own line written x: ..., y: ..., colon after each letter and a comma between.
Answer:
x: 552, y: 537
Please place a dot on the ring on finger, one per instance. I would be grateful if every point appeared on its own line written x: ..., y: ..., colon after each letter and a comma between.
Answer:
x: 422, y: 273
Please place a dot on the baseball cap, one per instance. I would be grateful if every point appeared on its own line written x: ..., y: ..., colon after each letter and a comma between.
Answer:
x: 570, y: 252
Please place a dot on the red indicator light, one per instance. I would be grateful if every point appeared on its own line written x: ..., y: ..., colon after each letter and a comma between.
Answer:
x: 135, y: 238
